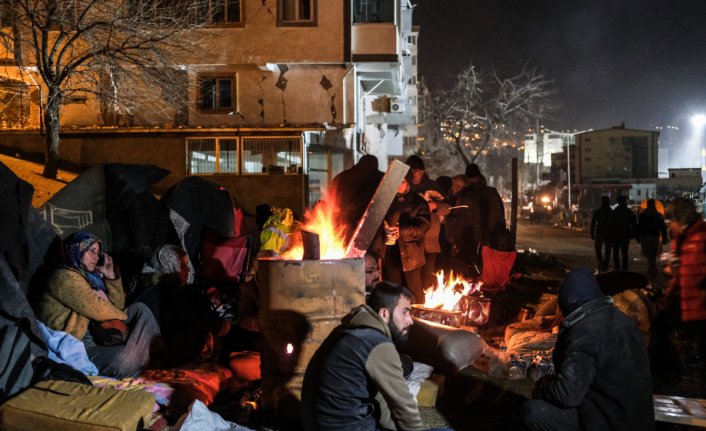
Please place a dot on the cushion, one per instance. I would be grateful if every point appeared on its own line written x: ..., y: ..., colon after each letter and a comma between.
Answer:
x: 57, y: 405
x: 445, y: 348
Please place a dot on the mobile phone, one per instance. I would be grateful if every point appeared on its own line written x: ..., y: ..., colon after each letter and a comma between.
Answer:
x: 101, y: 260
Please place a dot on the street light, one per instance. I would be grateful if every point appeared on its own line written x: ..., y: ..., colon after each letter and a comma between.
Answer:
x: 699, y: 121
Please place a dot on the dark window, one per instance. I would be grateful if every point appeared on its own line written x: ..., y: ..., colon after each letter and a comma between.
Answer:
x: 296, y: 12
x: 216, y: 93
x: 366, y: 11
x: 221, y: 11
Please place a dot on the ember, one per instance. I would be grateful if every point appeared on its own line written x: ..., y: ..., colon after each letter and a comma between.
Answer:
x: 454, y: 302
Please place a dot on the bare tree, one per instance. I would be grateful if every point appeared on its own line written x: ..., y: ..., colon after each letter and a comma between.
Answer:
x: 121, y: 52
x: 483, y: 112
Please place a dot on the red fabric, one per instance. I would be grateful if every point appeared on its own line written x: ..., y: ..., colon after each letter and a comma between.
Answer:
x: 196, y: 381
x: 239, y: 222
x: 245, y: 365
x: 497, y: 266
x: 223, y: 260
x: 691, y: 276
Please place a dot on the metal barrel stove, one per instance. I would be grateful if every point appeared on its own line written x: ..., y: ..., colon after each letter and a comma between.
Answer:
x: 301, y: 302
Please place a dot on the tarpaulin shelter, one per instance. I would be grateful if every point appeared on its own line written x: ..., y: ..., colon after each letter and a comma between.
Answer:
x: 195, y: 204
x: 114, y: 202
x: 20, y: 339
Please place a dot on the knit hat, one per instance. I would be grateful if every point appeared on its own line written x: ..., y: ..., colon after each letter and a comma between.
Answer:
x: 415, y: 162
x: 473, y: 170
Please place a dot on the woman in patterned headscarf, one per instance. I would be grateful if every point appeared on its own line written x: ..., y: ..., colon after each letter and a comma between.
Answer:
x: 87, y: 287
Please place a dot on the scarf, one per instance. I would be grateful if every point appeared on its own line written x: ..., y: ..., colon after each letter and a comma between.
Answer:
x: 74, y: 246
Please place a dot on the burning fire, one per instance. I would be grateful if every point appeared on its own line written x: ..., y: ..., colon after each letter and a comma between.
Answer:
x: 321, y: 220
x: 447, y: 294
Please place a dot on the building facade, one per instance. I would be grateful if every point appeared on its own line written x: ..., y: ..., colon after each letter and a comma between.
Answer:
x: 280, y: 92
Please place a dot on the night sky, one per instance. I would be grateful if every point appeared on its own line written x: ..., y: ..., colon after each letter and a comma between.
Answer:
x: 642, y: 62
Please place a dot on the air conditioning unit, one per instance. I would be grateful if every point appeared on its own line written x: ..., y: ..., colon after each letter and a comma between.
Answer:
x: 397, y: 106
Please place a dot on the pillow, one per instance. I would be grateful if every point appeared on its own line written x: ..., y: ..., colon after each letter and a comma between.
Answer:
x: 446, y: 348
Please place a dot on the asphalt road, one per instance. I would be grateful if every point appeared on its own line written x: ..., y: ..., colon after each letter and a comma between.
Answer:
x: 571, y: 247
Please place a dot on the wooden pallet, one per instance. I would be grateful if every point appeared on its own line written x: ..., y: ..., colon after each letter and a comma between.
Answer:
x: 680, y: 410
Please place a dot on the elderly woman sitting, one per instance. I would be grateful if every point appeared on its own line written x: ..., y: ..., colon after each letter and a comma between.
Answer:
x: 85, y: 292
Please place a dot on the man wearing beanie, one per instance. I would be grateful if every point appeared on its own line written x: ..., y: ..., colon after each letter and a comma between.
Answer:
x: 427, y: 188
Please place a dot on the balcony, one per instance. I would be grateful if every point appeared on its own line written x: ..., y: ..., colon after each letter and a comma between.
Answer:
x: 374, y: 42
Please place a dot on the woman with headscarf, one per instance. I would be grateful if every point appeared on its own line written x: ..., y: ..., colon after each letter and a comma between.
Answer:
x: 188, y: 326
x: 85, y: 288
x: 165, y: 273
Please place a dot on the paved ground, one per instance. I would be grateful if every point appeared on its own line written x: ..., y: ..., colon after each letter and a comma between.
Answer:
x: 44, y: 188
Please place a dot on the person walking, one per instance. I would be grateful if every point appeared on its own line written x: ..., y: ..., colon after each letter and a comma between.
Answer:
x: 600, y: 233
x: 650, y: 229
x: 623, y: 227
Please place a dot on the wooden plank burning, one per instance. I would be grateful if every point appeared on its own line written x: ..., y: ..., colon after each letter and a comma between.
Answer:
x: 377, y: 208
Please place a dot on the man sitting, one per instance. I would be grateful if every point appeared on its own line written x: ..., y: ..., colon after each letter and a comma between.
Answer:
x: 354, y: 381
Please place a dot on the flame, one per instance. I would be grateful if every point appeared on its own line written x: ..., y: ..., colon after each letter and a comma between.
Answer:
x: 447, y: 294
x: 320, y: 219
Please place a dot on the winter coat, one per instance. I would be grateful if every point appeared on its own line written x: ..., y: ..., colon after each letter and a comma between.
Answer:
x: 357, y: 362
x: 651, y: 223
x: 601, y: 364
x: 600, y: 222
x: 431, y: 238
x: 69, y: 302
x: 689, y: 280
x: 466, y: 228
x: 623, y: 224
x: 411, y: 213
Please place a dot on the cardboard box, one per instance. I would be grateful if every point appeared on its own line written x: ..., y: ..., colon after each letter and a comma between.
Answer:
x: 430, y: 390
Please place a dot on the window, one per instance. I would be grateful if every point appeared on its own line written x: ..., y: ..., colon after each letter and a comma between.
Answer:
x: 216, y: 93
x: 272, y: 154
x: 296, y: 13
x: 412, y: 40
x: 413, y: 80
x: 221, y: 11
x: 211, y: 155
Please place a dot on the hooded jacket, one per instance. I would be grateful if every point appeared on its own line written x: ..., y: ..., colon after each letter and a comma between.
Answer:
x: 601, y: 362
x: 356, y: 363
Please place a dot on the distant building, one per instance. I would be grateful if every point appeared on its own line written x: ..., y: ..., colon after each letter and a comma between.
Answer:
x: 681, y: 182
x: 540, y: 149
x: 616, y: 161
x: 616, y: 154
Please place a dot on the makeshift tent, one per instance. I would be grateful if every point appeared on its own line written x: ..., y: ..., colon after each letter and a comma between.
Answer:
x: 195, y: 204
x: 113, y: 201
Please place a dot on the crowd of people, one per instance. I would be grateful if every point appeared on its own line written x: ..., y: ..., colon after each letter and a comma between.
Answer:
x: 430, y: 225
x: 356, y: 379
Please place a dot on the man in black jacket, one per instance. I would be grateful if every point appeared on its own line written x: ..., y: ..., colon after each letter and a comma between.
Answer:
x: 623, y: 227
x: 600, y: 233
x: 602, y: 380
x: 354, y: 381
